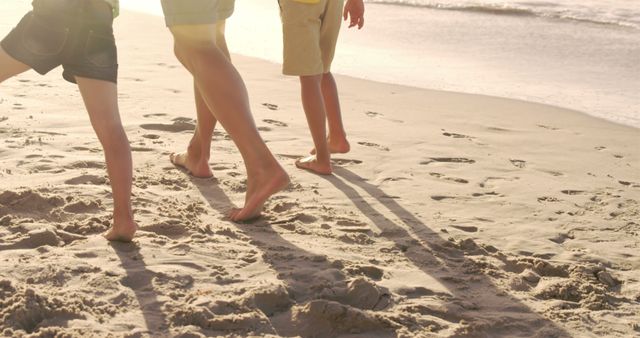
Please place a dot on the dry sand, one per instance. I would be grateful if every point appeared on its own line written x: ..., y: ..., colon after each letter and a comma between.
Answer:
x: 453, y: 216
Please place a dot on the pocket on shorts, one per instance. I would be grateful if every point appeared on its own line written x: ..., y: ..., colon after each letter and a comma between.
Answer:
x: 41, y: 39
x: 100, y: 50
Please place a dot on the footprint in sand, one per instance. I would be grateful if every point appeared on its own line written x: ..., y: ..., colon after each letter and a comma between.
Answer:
x: 573, y: 192
x: 281, y: 207
x: 456, y: 135
x: 275, y: 123
x: 561, y: 238
x: 553, y: 173
x: 518, y: 163
x: 154, y: 115
x: 498, y: 129
x: 373, y: 114
x: 83, y: 207
x: 344, y: 161
x: 87, y: 179
x: 288, y: 221
x: 547, y: 127
x: 134, y: 79
x: 85, y: 165
x: 491, y: 193
x: 632, y: 184
x: 394, y: 179
x: 373, y: 145
x: 170, y: 228
x: 599, y: 148
x: 92, y: 150
x: 151, y: 136
x: 442, y: 197
x: 465, y: 228
x: 265, y: 129
x: 486, y: 183
x: 352, y: 226
x: 271, y: 106
x: 179, y: 124
x: 548, y: 199
x: 447, y: 178
x: 370, y: 271
x: 3, y: 118
x: 448, y: 160
x: 162, y: 64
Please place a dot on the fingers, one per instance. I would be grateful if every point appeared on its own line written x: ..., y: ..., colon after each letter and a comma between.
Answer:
x: 354, y: 12
x: 357, y: 20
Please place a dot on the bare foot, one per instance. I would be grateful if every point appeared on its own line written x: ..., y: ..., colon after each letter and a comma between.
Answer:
x: 195, y: 167
x: 339, y: 146
x: 259, y: 190
x: 121, y: 231
x: 311, y: 163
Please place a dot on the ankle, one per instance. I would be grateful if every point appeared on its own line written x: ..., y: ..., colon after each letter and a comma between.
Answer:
x: 122, y: 216
x: 341, y: 135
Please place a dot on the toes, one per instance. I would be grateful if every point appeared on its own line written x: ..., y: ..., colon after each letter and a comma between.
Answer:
x: 233, y: 214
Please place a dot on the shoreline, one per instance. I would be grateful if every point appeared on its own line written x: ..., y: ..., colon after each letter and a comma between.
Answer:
x: 567, y: 73
x: 454, y: 214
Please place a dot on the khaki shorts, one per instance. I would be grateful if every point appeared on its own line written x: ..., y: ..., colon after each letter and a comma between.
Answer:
x: 196, y: 12
x: 310, y: 32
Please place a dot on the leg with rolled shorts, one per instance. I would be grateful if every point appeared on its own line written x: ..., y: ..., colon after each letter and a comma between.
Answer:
x: 223, y: 92
x: 78, y: 35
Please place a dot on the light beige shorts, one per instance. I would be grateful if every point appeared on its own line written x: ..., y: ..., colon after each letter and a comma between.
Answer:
x: 196, y: 12
x: 310, y: 33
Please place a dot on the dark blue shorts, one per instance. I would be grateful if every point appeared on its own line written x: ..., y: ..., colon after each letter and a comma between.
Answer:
x: 74, y: 34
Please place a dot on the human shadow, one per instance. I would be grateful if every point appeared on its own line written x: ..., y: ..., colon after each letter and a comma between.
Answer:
x: 476, y: 298
x: 140, y: 280
x: 293, y: 264
x: 308, y: 278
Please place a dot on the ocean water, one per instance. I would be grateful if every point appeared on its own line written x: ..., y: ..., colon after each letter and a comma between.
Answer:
x: 614, y: 12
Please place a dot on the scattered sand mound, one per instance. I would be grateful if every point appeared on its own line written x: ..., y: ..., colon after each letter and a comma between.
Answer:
x: 321, y: 318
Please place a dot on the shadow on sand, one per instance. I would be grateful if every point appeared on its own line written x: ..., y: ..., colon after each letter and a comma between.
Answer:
x: 140, y: 280
x: 487, y: 310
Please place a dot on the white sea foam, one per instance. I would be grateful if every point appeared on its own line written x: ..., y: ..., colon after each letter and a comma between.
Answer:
x: 616, y: 12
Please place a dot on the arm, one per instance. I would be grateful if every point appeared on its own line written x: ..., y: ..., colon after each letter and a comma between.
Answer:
x: 354, y: 9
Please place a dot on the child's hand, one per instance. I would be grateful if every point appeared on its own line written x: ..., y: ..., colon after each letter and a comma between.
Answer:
x: 355, y: 10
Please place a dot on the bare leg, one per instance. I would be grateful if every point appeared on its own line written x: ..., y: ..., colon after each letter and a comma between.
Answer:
x: 196, y: 159
x: 314, y: 109
x: 101, y: 101
x: 225, y: 94
x: 337, y: 138
x: 10, y: 67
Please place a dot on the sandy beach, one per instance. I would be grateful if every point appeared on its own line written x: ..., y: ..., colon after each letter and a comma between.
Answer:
x: 454, y: 215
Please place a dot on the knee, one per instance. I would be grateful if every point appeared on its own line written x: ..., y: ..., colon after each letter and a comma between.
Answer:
x: 178, y: 52
x: 310, y: 80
